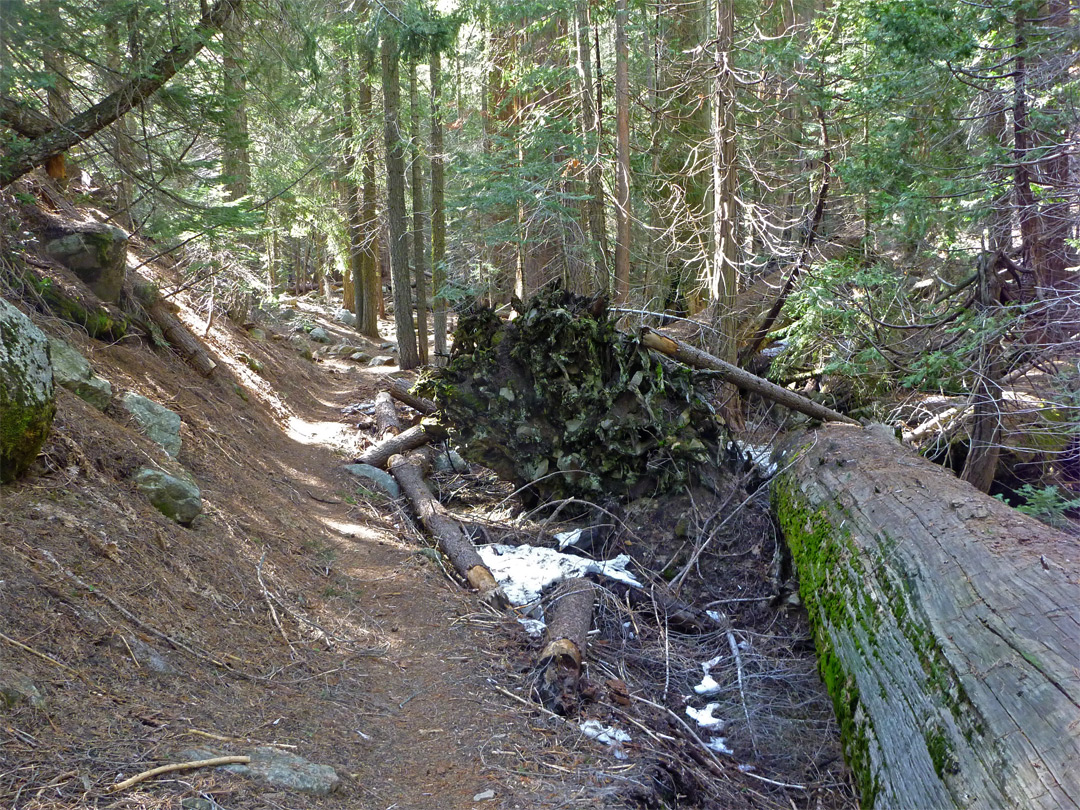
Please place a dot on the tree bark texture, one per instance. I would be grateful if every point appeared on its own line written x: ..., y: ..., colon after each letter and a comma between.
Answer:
x: 569, y: 613
x: 379, y: 454
x: 386, y: 418
x: 367, y: 316
x: 395, y: 204
x: 946, y: 626
x: 132, y: 93
x: 451, y: 537
x: 685, y: 353
x: 590, y: 128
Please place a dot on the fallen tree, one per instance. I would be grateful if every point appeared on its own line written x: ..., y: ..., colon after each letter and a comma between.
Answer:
x: 569, y: 612
x: 946, y: 626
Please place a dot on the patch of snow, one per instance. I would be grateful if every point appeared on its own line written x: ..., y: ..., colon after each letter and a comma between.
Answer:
x: 714, y: 615
x: 705, y: 719
x: 712, y: 662
x: 569, y: 538
x: 533, y: 627
x: 760, y: 456
x: 524, y: 571
x: 708, y: 686
x: 608, y: 735
x: 719, y: 745
x: 747, y: 768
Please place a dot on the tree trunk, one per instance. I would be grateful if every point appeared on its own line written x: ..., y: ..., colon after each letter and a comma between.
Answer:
x: 594, y: 203
x: 395, y: 203
x: 133, y: 92
x: 419, y: 215
x: 451, y: 537
x: 235, y: 161
x: 622, y: 159
x: 387, y: 423
x: 569, y: 613
x: 438, y: 209
x: 984, y: 447
x: 399, y: 390
x: 354, y: 273
x: 945, y: 623
x: 378, y: 454
x: 723, y: 276
x: 59, y: 91
x: 370, y: 306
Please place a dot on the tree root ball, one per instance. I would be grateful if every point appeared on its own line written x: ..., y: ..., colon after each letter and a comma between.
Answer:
x: 558, y: 399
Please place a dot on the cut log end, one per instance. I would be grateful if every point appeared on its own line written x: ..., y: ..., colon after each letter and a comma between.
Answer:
x: 569, y: 611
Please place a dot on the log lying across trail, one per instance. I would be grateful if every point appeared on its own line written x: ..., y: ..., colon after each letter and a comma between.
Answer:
x: 451, y: 537
x: 947, y: 626
x: 379, y: 454
x: 399, y: 390
x: 685, y: 353
x: 386, y: 418
x: 569, y: 613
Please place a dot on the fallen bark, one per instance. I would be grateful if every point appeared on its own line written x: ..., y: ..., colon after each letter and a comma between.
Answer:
x: 569, y: 613
x: 178, y: 335
x: 685, y: 353
x: 379, y: 454
x: 448, y: 533
x: 945, y: 623
x: 386, y: 418
x: 399, y: 390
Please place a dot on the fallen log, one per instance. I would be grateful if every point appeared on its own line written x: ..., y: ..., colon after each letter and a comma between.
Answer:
x: 399, y: 390
x: 386, y: 418
x: 448, y: 533
x: 946, y: 626
x: 685, y: 353
x: 569, y: 613
x: 178, y: 335
x: 379, y: 454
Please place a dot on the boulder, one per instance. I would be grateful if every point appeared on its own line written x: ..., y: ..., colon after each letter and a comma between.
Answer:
x: 345, y: 317
x: 27, y: 396
x: 73, y: 372
x: 319, y: 335
x: 175, y: 497
x: 382, y: 360
x: 382, y: 479
x: 94, y: 252
x: 16, y: 688
x: 156, y: 422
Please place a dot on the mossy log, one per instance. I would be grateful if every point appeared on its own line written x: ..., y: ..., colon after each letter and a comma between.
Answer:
x: 559, y: 402
x: 946, y: 625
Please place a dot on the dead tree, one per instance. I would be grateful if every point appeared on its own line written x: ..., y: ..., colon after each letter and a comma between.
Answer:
x: 946, y: 626
x: 569, y: 614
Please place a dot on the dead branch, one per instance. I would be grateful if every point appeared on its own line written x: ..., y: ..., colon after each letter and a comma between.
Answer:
x: 399, y: 390
x: 178, y: 766
x: 171, y: 327
x: 685, y: 353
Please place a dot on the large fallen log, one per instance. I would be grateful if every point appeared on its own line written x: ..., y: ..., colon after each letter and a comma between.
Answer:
x: 569, y: 612
x: 685, y: 353
x: 400, y: 390
x: 947, y: 626
x: 161, y: 312
x: 379, y: 454
x: 386, y: 418
x: 448, y: 533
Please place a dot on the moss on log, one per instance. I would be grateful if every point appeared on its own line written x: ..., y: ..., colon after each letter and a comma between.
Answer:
x: 558, y: 398
x: 946, y: 625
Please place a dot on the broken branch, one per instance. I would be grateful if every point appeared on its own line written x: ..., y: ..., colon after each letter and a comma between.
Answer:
x: 178, y: 766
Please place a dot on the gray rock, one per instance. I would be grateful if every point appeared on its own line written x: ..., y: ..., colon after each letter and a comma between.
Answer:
x: 450, y: 462
x: 345, y: 317
x: 157, y: 422
x: 360, y: 357
x: 257, y: 334
x: 382, y: 479
x: 16, y: 688
x: 27, y: 395
x: 96, y: 253
x: 382, y: 360
x: 276, y: 768
x: 175, y: 497
x: 150, y: 658
x: 319, y: 335
x: 71, y: 370
x: 392, y: 347
x: 299, y: 342
x: 199, y: 803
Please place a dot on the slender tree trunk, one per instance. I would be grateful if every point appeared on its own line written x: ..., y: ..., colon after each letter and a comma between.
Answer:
x: 122, y: 139
x: 408, y: 354
x: 59, y: 92
x: 723, y: 275
x: 622, y: 160
x: 370, y: 306
x: 985, y: 446
x: 594, y: 203
x: 236, y: 163
x: 419, y: 215
x: 354, y: 274
x: 438, y: 208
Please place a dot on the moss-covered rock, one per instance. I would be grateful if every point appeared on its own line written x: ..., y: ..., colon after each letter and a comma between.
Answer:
x: 73, y: 372
x: 96, y: 253
x: 27, y: 397
x: 174, y: 496
x: 561, y: 400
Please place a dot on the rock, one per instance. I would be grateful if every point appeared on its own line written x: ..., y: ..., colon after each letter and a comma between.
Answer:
x: 27, y: 396
x: 389, y: 346
x: 257, y: 333
x: 251, y: 362
x: 382, y: 479
x: 174, y: 497
x: 150, y: 658
x: 16, y: 689
x: 450, y: 462
x: 199, y: 803
x: 299, y: 343
x: 276, y: 768
x: 484, y: 796
x: 96, y: 253
x: 382, y: 360
x: 156, y: 422
x: 360, y: 357
x: 345, y: 317
x: 319, y: 335
x: 73, y: 372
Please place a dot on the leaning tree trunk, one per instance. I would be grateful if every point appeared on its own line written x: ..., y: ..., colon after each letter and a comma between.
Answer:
x: 946, y: 624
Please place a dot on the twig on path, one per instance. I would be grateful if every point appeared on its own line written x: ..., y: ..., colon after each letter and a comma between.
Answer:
x: 41, y: 655
x: 178, y: 766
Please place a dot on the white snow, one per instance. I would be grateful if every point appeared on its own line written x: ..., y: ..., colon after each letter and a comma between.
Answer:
x: 568, y: 538
x: 609, y: 735
x: 714, y: 615
x: 705, y: 718
x: 524, y: 571
x: 719, y: 745
x: 533, y: 627
x: 708, y: 686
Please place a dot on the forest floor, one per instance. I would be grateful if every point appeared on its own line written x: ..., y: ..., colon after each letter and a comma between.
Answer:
x: 304, y: 613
